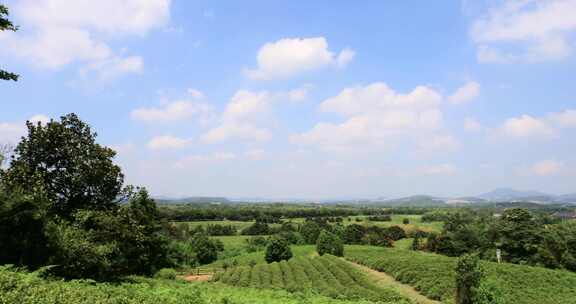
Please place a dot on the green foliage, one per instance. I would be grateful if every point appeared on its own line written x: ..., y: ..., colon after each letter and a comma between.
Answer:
x: 468, y: 278
x: 6, y: 25
x: 206, y: 250
x: 558, y: 248
x: 329, y: 243
x: 165, y: 274
x: 326, y: 275
x: 64, y: 161
x: 354, y: 233
x: 22, y: 222
x: 406, y: 221
x: 29, y: 288
x: 518, y: 235
x: 416, y: 243
x: 434, y: 276
x: 310, y: 230
x: 258, y: 228
x: 278, y: 249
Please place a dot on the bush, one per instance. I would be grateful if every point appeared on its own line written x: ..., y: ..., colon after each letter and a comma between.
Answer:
x: 405, y: 221
x: 166, y: 274
x: 469, y: 274
x: 329, y: 243
x: 278, y: 249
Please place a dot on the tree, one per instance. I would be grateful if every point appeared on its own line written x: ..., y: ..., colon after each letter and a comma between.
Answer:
x: 519, y: 236
x: 278, y: 249
x: 6, y: 25
x: 558, y: 248
x: 329, y: 243
x: 406, y: 221
x: 354, y: 233
x: 469, y: 275
x: 310, y: 231
x: 206, y: 250
x: 71, y: 168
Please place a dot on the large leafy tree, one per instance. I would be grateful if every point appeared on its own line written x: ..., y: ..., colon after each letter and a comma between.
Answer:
x: 329, y: 243
x: 6, y: 25
x: 278, y: 249
x: 63, y: 159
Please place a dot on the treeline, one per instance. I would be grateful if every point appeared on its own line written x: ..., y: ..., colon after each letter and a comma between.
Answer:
x: 522, y: 236
x: 273, y: 213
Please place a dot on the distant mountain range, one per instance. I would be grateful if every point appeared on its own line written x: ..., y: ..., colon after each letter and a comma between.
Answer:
x: 500, y: 195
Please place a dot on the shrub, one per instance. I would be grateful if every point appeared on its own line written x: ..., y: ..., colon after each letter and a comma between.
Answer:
x: 405, y: 221
x: 468, y: 278
x: 166, y: 274
x: 278, y: 249
x: 329, y: 243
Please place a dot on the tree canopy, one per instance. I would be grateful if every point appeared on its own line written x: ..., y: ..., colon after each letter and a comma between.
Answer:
x: 6, y: 25
x: 63, y: 160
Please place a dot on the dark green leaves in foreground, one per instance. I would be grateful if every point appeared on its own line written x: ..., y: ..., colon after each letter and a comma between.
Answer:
x: 6, y: 25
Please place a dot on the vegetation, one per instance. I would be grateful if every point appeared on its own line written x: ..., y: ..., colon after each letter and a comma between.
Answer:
x: 278, y: 249
x: 434, y: 276
x: 329, y: 243
x: 6, y: 25
x: 327, y: 275
x: 29, y: 288
x: 522, y: 236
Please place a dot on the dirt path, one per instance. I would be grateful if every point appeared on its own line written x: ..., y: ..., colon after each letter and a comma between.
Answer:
x: 385, y: 280
x: 198, y: 278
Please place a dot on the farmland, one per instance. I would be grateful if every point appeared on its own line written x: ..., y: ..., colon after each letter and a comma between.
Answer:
x: 326, y: 275
x: 433, y: 276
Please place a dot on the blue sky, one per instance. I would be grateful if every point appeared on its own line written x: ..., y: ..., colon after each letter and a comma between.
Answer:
x: 308, y: 99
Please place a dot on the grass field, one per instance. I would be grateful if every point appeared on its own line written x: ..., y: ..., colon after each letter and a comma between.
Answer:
x: 28, y: 288
x: 327, y: 275
x: 433, y: 275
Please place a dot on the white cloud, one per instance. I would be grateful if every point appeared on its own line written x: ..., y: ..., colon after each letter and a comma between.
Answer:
x: 241, y: 131
x: 290, y: 56
x: 526, y: 126
x: 546, y: 168
x: 440, y: 169
x: 373, y: 115
x: 11, y: 132
x: 114, y: 67
x: 465, y: 93
x: 438, y: 144
x: 299, y: 94
x: 56, y: 33
x: 244, y: 114
x: 167, y: 142
x: 565, y: 119
x: 198, y: 159
x: 526, y: 31
x: 178, y: 110
x: 472, y: 125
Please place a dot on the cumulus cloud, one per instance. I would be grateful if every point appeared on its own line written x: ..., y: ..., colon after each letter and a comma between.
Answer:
x: 11, y: 132
x: 526, y: 31
x: 56, y: 33
x: 564, y: 119
x: 526, y: 126
x: 546, y: 168
x: 290, y: 56
x: 465, y: 93
x: 438, y: 144
x: 374, y: 114
x: 198, y: 159
x: 167, y: 142
x: 243, y: 117
x: 176, y: 110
